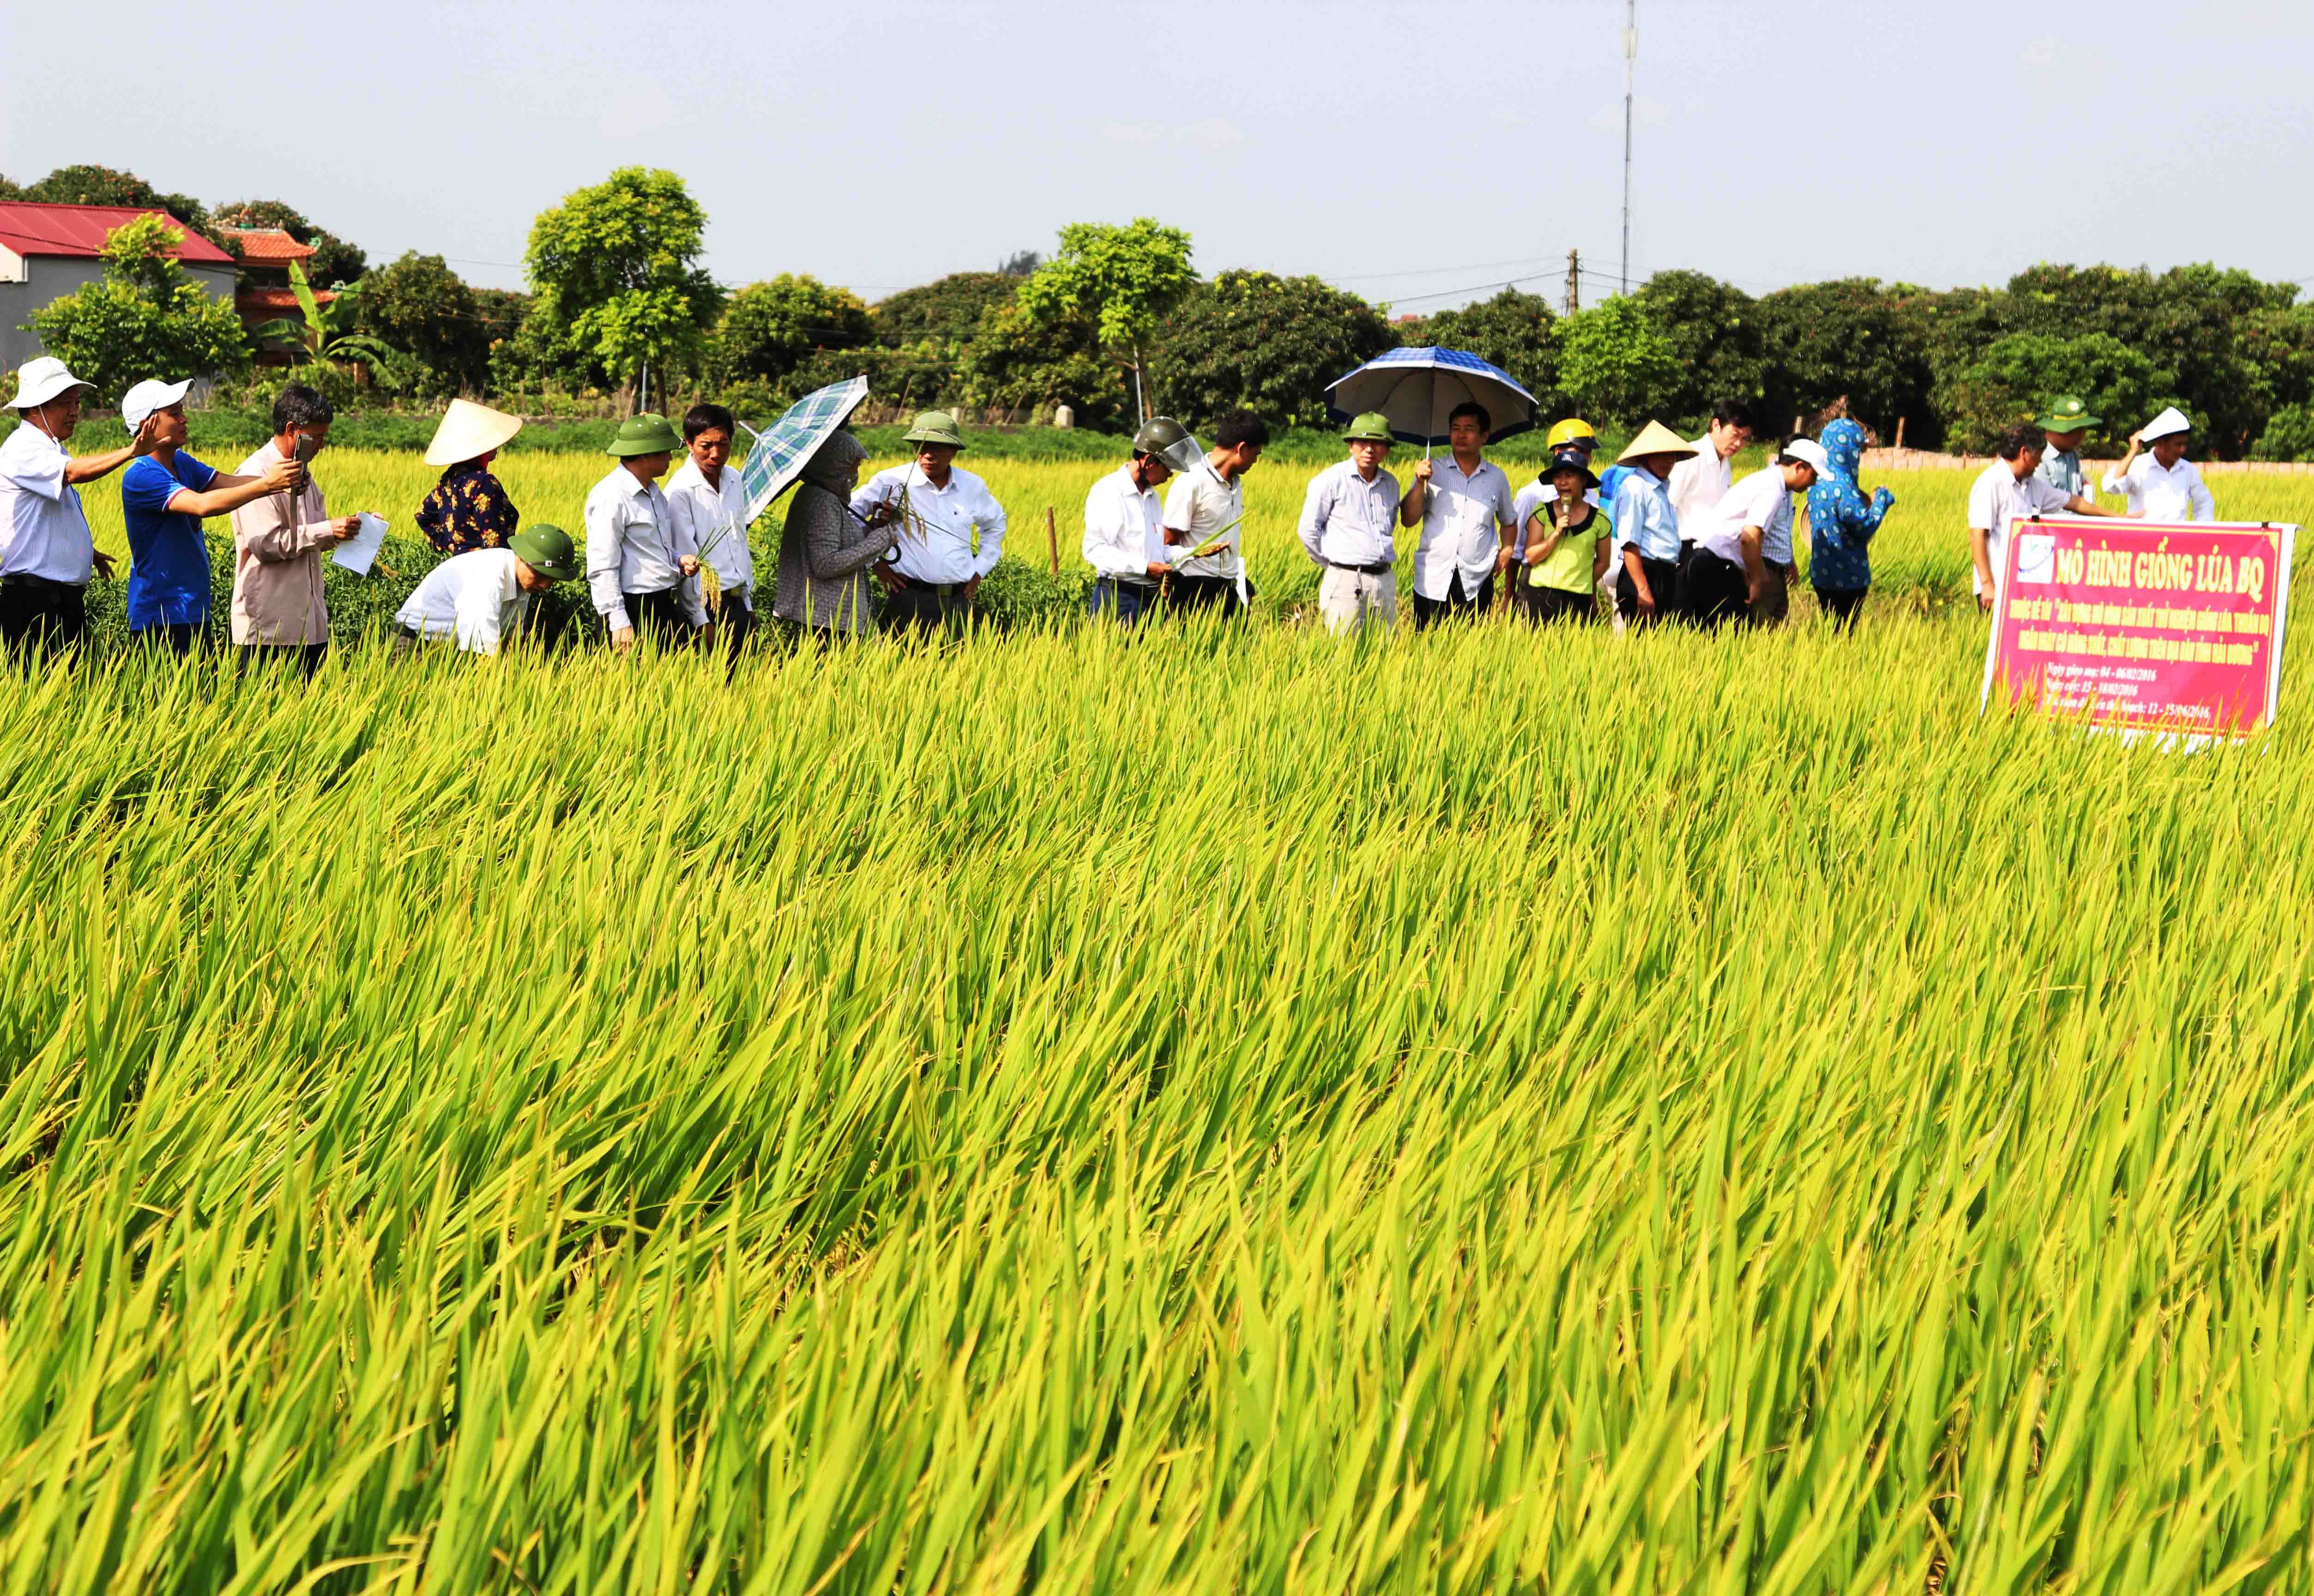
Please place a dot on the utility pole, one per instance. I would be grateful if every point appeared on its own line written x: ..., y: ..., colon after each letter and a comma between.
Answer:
x: 1630, y: 69
x: 1574, y: 281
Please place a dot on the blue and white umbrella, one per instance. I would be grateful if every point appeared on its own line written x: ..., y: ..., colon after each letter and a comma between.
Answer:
x: 1415, y: 390
x: 777, y: 457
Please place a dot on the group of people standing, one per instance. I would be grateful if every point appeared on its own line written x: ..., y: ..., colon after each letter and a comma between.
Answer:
x: 1667, y: 531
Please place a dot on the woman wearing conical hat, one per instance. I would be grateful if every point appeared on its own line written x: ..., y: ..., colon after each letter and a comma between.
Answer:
x: 468, y: 508
x: 1647, y: 528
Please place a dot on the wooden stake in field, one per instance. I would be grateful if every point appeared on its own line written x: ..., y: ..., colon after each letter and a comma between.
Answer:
x: 1053, y: 539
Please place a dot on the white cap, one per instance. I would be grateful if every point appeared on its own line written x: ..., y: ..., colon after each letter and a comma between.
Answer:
x: 2172, y: 420
x: 149, y: 395
x: 1812, y: 451
x: 42, y: 379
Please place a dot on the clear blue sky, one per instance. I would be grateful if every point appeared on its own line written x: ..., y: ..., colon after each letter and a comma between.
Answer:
x: 1416, y: 154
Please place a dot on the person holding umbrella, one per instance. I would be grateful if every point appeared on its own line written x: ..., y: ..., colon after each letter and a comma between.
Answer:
x: 1646, y: 529
x: 47, y: 551
x: 2162, y: 486
x: 1204, y: 509
x: 1347, y: 515
x: 642, y: 570
x: 1567, y: 537
x: 477, y: 600
x: 931, y: 578
x: 1465, y: 507
x: 1124, y: 537
x: 826, y: 549
x: 2063, y: 426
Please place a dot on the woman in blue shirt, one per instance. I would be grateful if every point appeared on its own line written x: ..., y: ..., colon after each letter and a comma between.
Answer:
x: 1840, y: 525
x: 163, y: 498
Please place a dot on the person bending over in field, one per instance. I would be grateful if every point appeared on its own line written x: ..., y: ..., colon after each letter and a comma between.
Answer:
x: 477, y: 600
x: 1124, y: 538
x: 163, y: 499
x: 1567, y: 537
x: 1742, y: 569
x: 1347, y: 516
x: 952, y: 533
x: 1469, y: 523
x: 642, y: 569
x: 278, y: 613
x: 2011, y: 486
x: 1205, y: 509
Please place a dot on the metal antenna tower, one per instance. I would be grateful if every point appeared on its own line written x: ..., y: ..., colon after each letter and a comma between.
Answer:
x: 1630, y: 67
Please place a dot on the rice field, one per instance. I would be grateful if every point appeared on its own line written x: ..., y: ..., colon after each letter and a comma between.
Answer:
x: 1210, y: 1111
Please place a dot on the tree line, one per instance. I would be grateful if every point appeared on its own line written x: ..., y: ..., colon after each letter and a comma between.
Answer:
x: 1115, y: 321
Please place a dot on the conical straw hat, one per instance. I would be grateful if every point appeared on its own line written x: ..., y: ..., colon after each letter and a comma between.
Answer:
x: 1655, y: 438
x: 470, y: 431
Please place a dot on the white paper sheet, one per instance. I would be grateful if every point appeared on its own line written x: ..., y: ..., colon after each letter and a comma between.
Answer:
x: 356, y: 552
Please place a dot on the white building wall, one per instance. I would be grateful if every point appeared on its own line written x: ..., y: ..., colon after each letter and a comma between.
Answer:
x: 46, y: 278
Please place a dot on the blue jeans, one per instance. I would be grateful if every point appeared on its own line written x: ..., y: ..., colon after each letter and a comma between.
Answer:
x: 1120, y: 601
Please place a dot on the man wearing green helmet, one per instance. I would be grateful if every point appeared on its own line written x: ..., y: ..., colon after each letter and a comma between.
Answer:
x: 2064, y: 425
x: 1124, y: 538
x: 1347, y: 519
x: 951, y: 535
x: 477, y: 600
x: 642, y: 569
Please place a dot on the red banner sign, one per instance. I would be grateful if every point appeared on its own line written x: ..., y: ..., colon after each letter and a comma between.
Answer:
x: 2157, y: 625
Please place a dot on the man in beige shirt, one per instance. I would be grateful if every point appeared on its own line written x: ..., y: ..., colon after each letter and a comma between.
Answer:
x: 279, y: 543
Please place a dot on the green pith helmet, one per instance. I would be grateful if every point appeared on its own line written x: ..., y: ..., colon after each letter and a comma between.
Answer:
x: 1170, y: 442
x: 646, y: 434
x: 1373, y: 427
x: 2067, y: 412
x: 546, y: 550
x: 935, y: 426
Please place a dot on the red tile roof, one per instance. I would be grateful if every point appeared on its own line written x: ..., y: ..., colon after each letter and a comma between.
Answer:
x: 268, y: 243
x: 247, y: 298
x: 29, y: 228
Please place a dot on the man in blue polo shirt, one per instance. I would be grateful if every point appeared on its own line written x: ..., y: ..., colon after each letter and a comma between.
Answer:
x: 163, y: 498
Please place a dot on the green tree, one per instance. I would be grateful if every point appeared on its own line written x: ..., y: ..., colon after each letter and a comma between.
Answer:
x: 420, y: 308
x: 1514, y: 331
x: 333, y: 260
x: 1017, y: 363
x: 2289, y: 434
x: 147, y: 318
x: 327, y: 333
x: 101, y: 185
x: 769, y: 328
x: 616, y: 270
x: 1267, y: 343
x: 1714, y: 331
x: 1615, y: 363
x: 2017, y: 376
x: 1857, y: 339
x: 1123, y: 279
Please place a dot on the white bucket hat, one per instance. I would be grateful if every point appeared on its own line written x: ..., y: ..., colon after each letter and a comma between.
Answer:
x: 470, y: 431
x: 2172, y: 420
x: 1812, y: 451
x: 150, y: 395
x: 42, y: 379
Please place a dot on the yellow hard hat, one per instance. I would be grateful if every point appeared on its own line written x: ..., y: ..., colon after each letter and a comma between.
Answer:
x: 1573, y: 430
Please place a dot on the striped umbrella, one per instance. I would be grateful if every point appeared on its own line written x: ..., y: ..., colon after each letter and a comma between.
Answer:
x: 1415, y: 389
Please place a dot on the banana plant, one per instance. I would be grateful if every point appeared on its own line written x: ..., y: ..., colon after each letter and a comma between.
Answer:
x: 326, y: 333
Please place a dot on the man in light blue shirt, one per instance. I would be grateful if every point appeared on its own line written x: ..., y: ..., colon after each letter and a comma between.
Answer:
x: 1647, y: 528
x: 1346, y: 524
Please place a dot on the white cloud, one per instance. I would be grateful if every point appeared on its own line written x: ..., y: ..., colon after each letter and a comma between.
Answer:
x: 2040, y: 54
x: 1214, y: 132
x: 636, y: 108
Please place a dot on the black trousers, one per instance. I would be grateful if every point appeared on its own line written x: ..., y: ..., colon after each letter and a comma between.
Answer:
x: 40, y: 620
x: 1189, y: 595
x: 306, y: 656
x: 1713, y: 591
x: 921, y: 606
x: 1455, y: 603
x: 659, y: 615
x: 1663, y: 586
x: 1540, y: 605
x: 1841, y: 603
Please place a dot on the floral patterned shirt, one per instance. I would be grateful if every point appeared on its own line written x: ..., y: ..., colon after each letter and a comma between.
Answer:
x: 468, y: 509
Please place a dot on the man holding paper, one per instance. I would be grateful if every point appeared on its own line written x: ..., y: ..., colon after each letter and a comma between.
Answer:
x: 278, y: 613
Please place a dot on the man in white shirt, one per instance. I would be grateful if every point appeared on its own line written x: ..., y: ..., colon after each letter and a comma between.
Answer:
x: 1465, y: 507
x: 1742, y: 567
x: 2163, y: 485
x: 951, y: 533
x: 1206, y: 507
x: 2012, y: 486
x: 1346, y: 520
x: 477, y: 600
x: 642, y: 569
x: 47, y: 551
x: 1124, y: 538
x: 1699, y: 482
x: 711, y: 508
